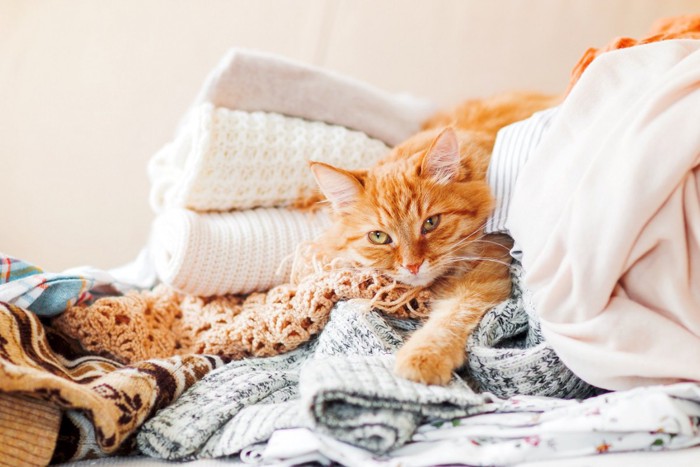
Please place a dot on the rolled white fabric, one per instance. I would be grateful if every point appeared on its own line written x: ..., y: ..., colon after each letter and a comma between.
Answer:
x: 229, y: 159
x: 236, y: 252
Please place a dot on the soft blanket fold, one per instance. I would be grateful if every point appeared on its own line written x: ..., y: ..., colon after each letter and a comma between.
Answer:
x: 360, y: 401
x: 611, y: 241
x: 255, y: 81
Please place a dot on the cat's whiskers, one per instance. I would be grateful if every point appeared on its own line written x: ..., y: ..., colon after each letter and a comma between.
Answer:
x: 461, y: 244
x: 468, y: 238
x: 460, y: 259
x: 491, y: 242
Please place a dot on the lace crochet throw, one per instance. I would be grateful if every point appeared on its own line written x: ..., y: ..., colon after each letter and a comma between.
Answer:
x: 161, y: 323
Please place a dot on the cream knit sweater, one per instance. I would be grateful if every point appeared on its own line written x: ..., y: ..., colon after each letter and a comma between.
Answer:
x: 230, y: 159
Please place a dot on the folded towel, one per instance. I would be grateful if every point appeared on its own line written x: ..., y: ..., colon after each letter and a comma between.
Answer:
x: 225, y: 159
x: 252, y: 81
x: 611, y: 241
x: 230, y: 253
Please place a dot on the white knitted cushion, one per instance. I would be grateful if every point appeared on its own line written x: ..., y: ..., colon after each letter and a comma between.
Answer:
x: 230, y: 159
x: 236, y: 252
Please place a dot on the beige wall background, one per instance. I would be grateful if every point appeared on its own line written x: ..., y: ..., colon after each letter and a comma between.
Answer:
x: 89, y: 90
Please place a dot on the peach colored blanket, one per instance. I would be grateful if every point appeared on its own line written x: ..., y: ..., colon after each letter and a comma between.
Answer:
x: 607, y: 212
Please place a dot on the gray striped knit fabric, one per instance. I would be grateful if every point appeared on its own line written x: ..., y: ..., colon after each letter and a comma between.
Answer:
x: 508, y: 354
x: 341, y: 384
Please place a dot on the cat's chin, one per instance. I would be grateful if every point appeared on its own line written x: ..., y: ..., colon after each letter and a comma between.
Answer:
x: 416, y: 281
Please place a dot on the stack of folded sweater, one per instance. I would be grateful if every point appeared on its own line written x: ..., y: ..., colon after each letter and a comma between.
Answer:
x: 225, y: 189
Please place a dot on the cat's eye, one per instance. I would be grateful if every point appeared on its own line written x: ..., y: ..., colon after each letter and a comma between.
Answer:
x: 430, y: 223
x: 379, y: 238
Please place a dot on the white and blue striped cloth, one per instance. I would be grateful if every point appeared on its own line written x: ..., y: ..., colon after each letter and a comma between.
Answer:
x: 514, y: 144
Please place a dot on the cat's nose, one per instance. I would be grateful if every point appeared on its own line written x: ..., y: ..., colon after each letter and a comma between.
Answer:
x: 413, y: 268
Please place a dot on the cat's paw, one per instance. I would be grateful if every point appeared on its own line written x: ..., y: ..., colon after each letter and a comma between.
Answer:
x: 427, y: 364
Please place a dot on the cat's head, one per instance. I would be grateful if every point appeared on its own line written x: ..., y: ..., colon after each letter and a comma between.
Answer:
x: 413, y: 216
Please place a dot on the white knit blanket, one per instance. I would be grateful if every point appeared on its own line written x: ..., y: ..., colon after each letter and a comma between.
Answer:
x: 229, y: 159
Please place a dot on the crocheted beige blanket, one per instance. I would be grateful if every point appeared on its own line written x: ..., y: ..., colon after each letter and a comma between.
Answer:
x: 161, y: 323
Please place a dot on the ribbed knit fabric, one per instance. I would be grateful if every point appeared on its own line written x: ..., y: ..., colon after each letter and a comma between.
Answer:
x: 230, y: 253
x: 227, y: 159
x: 28, y: 430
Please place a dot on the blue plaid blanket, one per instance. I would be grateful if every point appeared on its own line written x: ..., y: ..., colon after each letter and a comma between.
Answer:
x: 44, y: 293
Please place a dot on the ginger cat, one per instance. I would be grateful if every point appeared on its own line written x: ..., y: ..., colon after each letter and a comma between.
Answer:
x: 418, y: 216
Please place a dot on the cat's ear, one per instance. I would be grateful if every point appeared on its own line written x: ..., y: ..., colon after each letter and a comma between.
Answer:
x: 441, y: 161
x: 339, y: 186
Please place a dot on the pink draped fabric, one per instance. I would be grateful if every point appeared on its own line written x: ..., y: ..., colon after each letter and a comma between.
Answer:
x: 607, y: 212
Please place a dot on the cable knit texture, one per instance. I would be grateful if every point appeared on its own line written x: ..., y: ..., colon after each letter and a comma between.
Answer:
x: 160, y: 323
x: 229, y: 159
x: 230, y: 253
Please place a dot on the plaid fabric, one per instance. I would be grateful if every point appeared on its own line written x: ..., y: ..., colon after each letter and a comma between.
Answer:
x: 46, y: 294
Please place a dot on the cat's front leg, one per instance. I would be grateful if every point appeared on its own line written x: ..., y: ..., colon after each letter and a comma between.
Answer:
x: 434, y: 351
x: 438, y: 348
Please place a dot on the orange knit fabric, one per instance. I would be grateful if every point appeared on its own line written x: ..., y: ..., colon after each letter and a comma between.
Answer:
x: 677, y: 27
x: 162, y: 322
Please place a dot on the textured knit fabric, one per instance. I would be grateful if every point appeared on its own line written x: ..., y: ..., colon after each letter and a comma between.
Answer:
x: 228, y: 410
x: 611, y: 241
x: 359, y: 400
x: 251, y: 81
x: 230, y: 253
x: 113, y: 400
x: 163, y: 323
x: 341, y: 383
x: 28, y: 430
x: 386, y: 413
x: 507, y: 352
x: 226, y: 159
